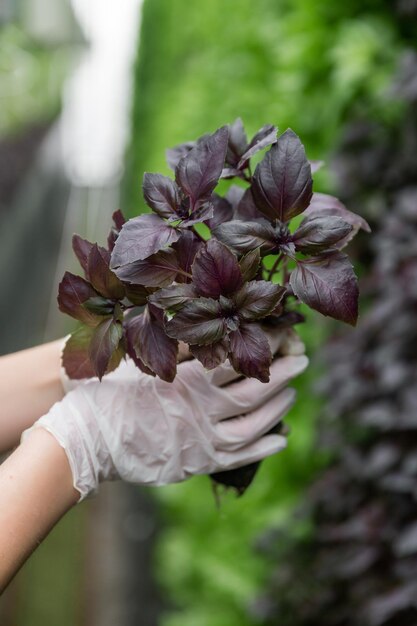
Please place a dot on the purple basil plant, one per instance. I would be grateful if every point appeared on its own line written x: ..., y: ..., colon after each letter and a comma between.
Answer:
x: 206, y: 269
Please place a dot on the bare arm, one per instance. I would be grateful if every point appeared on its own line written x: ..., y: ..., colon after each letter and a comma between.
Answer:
x: 29, y: 385
x: 36, y: 487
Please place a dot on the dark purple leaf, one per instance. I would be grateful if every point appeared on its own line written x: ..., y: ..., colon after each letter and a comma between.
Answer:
x: 237, y: 143
x: 328, y: 284
x: 137, y: 294
x: 263, y: 138
x: 173, y: 297
x: 203, y: 211
x: 141, y: 237
x: 199, y: 322
x: 230, y: 172
x: 245, y: 236
x: 222, y: 211
x: 250, y: 353
x: 246, y: 209
x: 73, y: 292
x: 212, y: 355
x: 324, y: 205
x: 286, y: 319
x: 129, y: 336
x: 199, y: 171
x: 216, y: 270
x: 99, y: 305
x: 118, y: 221
x: 175, y: 154
x: 82, y: 249
x: 104, y: 343
x: 161, y: 194
x: 320, y: 233
x: 282, y: 183
x: 158, y: 270
x: 257, y: 299
x: 152, y: 345
x: 76, y: 356
x: 102, y: 278
x: 249, y: 264
x: 186, y: 248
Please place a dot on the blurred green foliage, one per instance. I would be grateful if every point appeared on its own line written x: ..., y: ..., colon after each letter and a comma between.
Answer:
x: 297, y: 63
x: 31, y: 78
x: 307, y: 64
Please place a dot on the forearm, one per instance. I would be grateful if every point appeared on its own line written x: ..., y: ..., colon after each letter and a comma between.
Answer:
x: 29, y: 385
x: 36, y: 488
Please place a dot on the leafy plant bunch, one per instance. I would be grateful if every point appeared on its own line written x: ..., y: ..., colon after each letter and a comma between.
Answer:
x: 160, y: 281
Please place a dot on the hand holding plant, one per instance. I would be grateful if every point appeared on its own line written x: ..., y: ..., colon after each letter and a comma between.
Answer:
x: 208, y: 269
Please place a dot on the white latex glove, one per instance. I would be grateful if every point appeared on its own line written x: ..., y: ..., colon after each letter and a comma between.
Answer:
x: 143, y: 430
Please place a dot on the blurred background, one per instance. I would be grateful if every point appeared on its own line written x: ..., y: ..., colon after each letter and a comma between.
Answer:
x: 91, y: 94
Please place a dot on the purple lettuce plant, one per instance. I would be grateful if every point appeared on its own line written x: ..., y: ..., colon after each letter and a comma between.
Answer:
x: 208, y: 269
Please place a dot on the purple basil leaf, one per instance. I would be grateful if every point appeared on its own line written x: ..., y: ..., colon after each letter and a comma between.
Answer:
x: 141, y: 237
x: 186, y: 248
x: 237, y: 143
x: 320, y: 233
x: 175, y: 154
x: 282, y: 183
x: 286, y: 319
x: 99, y: 305
x: 322, y: 205
x: 152, y: 345
x: 250, y: 352
x: 204, y: 210
x: 263, y: 138
x: 118, y: 221
x: 216, y: 270
x: 199, y: 322
x: 257, y: 299
x: 173, y: 297
x: 316, y: 166
x: 245, y: 236
x: 222, y: 211
x: 158, y: 270
x: 249, y: 264
x: 231, y: 172
x: 246, y: 209
x: 212, y: 355
x: 328, y: 284
x: 73, y: 292
x: 199, y: 171
x: 102, y: 278
x: 161, y: 194
x: 76, y: 356
x: 137, y: 294
x: 104, y: 344
x: 82, y: 249
x: 129, y: 337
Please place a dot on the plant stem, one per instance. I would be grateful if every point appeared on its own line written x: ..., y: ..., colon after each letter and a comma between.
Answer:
x: 275, y: 266
x: 285, y: 271
x: 250, y: 172
x: 184, y: 273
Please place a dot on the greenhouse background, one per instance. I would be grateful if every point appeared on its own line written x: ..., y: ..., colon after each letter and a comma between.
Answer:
x: 92, y: 94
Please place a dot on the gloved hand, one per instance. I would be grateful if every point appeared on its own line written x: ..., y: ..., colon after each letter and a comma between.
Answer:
x: 144, y: 430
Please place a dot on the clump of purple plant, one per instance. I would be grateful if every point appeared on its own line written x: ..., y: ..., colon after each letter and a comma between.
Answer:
x: 164, y: 278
